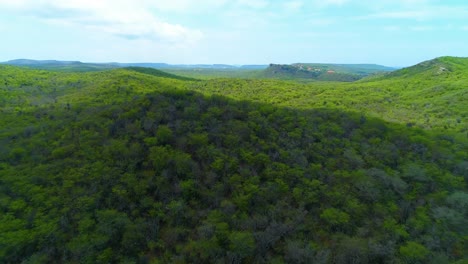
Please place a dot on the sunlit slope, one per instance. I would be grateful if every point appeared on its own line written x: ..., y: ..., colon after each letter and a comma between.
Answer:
x: 37, y: 91
x: 452, y: 67
x: 425, y: 96
x: 431, y: 95
x: 321, y: 71
x: 20, y: 87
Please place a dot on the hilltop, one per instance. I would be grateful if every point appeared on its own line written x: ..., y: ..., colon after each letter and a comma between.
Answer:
x: 442, y: 66
x: 323, y: 72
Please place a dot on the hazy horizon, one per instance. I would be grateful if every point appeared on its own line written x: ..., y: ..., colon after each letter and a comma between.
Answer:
x: 188, y: 64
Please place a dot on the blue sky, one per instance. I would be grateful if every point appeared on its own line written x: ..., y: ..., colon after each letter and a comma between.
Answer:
x: 388, y: 32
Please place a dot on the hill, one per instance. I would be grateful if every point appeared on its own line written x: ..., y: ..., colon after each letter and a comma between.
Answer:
x: 65, y: 66
x: 442, y: 66
x: 77, y: 66
x: 323, y: 72
x: 359, y: 69
x: 426, y: 100
x: 136, y: 166
x: 158, y: 73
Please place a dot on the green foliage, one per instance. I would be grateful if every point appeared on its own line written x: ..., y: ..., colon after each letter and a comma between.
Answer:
x: 435, y: 67
x: 124, y: 166
x: 413, y: 252
x: 322, y: 72
x: 433, y: 102
x: 334, y: 217
x: 158, y: 73
x: 207, y: 73
x: 241, y: 244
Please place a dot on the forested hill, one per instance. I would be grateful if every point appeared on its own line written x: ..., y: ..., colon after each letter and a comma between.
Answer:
x: 438, y: 67
x: 127, y: 167
x: 323, y: 72
x: 158, y: 73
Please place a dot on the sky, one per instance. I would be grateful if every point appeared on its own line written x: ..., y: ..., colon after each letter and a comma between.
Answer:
x: 388, y: 32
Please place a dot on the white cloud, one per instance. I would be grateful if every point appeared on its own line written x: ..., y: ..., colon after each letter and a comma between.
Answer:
x: 247, y: 20
x: 417, y: 15
x: 13, y: 4
x: 320, y: 22
x: 293, y: 5
x: 421, y: 28
x: 335, y: 2
x: 325, y: 3
x: 185, y: 6
x: 392, y: 28
x: 413, y: 3
x: 122, y: 18
x: 256, y: 4
x: 421, y: 12
x: 381, y: 3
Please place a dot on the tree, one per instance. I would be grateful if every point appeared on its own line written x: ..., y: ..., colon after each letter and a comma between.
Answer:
x: 413, y: 252
x: 241, y: 244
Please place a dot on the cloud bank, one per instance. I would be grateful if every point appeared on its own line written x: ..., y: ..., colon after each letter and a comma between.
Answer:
x: 124, y: 18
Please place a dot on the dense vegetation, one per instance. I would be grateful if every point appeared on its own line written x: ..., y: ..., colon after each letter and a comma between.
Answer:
x: 322, y: 72
x: 158, y: 73
x: 422, y: 95
x: 133, y: 166
x: 198, y: 71
x: 359, y: 69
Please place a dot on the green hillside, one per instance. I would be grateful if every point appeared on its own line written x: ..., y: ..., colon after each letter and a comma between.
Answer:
x: 207, y: 74
x: 414, y: 96
x: 135, y: 165
x: 158, y: 73
x: 322, y: 72
x: 196, y: 71
x: 438, y: 67
x: 356, y: 69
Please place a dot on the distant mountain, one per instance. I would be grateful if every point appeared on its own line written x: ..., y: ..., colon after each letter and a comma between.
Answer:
x: 193, y: 66
x: 254, y: 67
x: 323, y: 72
x: 282, y: 71
x: 19, y: 62
x: 55, y: 65
x: 146, y: 65
x: 81, y: 66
